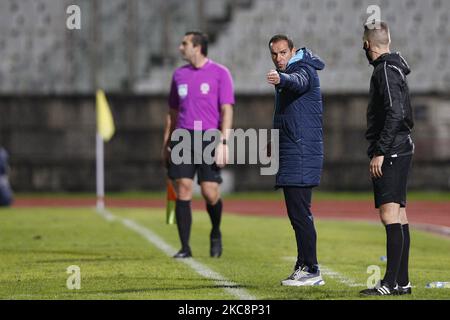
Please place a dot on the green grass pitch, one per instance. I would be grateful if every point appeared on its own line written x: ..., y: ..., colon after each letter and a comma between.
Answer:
x: 37, y: 245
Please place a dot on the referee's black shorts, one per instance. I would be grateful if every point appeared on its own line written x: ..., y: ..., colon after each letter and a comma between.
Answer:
x: 205, y: 172
x: 392, y: 185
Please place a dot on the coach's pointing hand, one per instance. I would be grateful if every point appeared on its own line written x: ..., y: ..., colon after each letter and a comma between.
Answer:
x: 273, y: 77
x: 375, y: 166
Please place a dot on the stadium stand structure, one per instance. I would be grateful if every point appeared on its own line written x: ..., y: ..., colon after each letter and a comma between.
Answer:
x: 333, y: 29
x: 119, y: 42
x: 132, y: 45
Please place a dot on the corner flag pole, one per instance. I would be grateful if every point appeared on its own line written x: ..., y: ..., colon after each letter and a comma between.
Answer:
x: 105, y: 131
x: 100, y: 171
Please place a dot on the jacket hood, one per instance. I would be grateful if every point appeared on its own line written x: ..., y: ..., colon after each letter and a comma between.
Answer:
x: 304, y: 55
x: 395, y: 59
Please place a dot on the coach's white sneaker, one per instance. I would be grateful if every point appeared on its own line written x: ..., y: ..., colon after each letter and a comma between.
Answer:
x: 302, y: 277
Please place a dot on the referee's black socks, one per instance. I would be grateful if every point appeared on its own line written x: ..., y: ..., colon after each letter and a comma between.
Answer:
x: 184, y: 221
x: 215, y: 213
x: 394, y: 248
x: 403, y: 278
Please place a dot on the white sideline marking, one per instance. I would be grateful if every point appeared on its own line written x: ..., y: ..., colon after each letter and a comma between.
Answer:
x: 333, y: 274
x: 340, y: 277
x: 229, y: 286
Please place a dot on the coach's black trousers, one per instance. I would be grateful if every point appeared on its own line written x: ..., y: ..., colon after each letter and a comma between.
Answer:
x: 298, y: 204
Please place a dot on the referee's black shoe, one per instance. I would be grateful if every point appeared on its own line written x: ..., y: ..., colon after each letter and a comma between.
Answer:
x: 183, y: 253
x: 401, y: 290
x: 216, y: 247
x: 383, y: 289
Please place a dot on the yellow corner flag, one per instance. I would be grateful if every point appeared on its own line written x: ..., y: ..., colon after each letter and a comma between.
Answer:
x: 105, y: 122
x: 170, y: 204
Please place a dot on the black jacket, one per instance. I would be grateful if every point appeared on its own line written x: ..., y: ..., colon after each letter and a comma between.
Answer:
x: 389, y: 113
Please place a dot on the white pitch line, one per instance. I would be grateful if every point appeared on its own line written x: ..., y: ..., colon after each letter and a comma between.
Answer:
x: 229, y: 286
x: 340, y: 277
x: 333, y: 274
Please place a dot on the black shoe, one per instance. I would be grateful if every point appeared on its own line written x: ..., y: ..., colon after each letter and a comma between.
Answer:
x: 381, y: 290
x: 183, y: 254
x: 401, y: 290
x: 216, y: 248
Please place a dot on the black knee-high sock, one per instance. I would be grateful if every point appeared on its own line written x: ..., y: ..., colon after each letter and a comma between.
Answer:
x: 215, y: 213
x: 403, y: 277
x: 184, y: 221
x: 394, y: 245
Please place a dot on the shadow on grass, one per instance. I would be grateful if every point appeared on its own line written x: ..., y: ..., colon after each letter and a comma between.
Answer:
x: 104, y: 259
x: 168, y: 289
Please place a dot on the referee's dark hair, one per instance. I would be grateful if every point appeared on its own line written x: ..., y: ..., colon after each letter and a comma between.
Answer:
x: 280, y: 37
x: 199, y: 39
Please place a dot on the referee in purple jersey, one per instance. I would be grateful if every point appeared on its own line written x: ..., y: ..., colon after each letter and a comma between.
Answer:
x: 202, y: 90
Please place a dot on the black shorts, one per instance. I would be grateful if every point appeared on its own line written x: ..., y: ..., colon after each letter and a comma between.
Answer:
x: 205, y: 172
x: 391, y: 187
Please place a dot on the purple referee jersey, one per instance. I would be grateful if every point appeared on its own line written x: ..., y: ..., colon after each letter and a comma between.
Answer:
x: 197, y: 94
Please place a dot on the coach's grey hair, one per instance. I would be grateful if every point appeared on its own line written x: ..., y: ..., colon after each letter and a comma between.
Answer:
x: 378, y: 33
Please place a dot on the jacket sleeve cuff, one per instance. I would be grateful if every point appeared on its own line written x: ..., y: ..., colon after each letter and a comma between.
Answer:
x: 283, y: 78
x: 379, y: 151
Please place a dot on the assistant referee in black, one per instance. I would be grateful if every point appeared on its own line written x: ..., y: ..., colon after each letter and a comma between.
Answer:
x: 389, y: 124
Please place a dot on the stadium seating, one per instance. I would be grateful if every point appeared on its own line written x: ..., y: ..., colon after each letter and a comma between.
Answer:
x: 333, y: 29
x: 137, y: 41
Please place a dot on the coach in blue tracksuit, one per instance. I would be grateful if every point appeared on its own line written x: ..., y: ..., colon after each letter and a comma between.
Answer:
x: 298, y: 117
